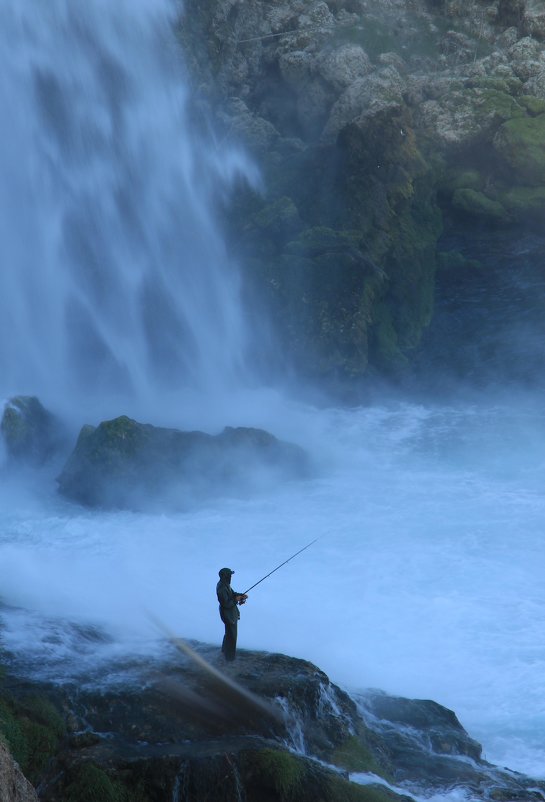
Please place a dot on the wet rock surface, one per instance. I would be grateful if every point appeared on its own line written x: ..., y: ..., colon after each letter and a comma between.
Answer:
x: 30, y: 432
x: 269, y: 727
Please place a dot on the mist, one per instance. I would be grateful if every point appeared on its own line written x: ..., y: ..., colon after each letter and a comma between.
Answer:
x: 120, y: 297
x: 117, y: 284
x: 426, y: 578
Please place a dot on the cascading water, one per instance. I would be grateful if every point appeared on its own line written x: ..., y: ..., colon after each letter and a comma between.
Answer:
x: 115, y: 285
x: 114, y: 279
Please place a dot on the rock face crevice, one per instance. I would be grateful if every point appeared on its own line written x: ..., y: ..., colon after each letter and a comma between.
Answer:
x: 379, y: 127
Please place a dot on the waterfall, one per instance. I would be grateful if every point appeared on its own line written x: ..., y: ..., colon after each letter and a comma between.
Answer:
x: 114, y: 280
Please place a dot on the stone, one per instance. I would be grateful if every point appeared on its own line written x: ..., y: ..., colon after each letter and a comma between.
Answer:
x: 520, y: 144
x: 125, y: 464
x: 14, y: 787
x: 477, y: 204
x: 367, y: 95
x: 31, y: 433
x: 343, y: 65
x: 269, y: 727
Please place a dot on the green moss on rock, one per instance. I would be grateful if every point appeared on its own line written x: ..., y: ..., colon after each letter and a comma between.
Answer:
x: 282, y: 771
x: 343, y: 791
x: 88, y: 783
x: 533, y: 105
x: 278, y: 219
x: 520, y: 143
x: 33, y: 730
x: 279, y: 776
x: 477, y: 204
x: 461, y: 179
x: 30, y: 432
x: 384, y: 341
x: 525, y: 202
x: 354, y: 756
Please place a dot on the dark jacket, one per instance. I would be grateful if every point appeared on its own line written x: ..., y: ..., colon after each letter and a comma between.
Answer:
x: 228, y: 607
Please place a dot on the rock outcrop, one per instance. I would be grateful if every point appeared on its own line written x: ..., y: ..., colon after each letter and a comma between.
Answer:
x: 377, y: 125
x: 31, y: 434
x: 14, y: 787
x: 269, y: 727
x: 125, y: 464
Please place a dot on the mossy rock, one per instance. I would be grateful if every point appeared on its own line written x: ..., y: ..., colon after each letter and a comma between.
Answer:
x: 278, y: 776
x: 323, y: 240
x: 491, y: 103
x: 33, y: 730
x: 477, y: 204
x: 520, y: 143
x: 525, y: 203
x: 88, y: 783
x: 282, y: 771
x: 354, y: 756
x: 533, y: 105
x: 461, y: 179
x: 279, y: 219
x: 506, y: 86
x: 30, y: 432
x: 126, y: 464
x: 384, y: 343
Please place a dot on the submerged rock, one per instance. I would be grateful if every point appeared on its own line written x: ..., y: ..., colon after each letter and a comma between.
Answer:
x: 125, y: 464
x: 30, y: 432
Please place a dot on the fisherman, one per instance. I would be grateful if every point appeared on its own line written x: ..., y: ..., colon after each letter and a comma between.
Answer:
x: 229, y: 612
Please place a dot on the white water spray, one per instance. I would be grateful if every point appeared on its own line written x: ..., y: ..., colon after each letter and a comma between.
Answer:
x: 114, y: 279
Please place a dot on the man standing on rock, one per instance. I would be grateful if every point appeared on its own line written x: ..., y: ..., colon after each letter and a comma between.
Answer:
x: 229, y: 612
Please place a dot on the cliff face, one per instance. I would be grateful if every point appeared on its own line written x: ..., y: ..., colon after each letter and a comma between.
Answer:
x: 377, y: 126
x: 14, y: 787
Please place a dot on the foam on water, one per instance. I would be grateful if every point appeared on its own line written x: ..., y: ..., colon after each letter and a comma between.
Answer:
x: 426, y: 580
x: 117, y: 296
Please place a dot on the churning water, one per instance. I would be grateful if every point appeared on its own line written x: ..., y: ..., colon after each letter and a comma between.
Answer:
x: 116, y: 292
x: 427, y: 580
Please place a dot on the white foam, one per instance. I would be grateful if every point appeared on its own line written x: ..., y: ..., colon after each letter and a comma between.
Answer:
x: 426, y: 580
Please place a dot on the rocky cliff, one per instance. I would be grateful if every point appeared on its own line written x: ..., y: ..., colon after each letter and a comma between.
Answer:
x: 379, y: 128
x: 14, y: 787
x: 270, y: 728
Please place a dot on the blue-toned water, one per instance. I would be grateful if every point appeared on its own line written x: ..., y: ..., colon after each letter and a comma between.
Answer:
x: 426, y: 580
x: 117, y: 296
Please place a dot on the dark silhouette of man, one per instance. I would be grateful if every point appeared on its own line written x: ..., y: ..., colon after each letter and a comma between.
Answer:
x: 229, y: 600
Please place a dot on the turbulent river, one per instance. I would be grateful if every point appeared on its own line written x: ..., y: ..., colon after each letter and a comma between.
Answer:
x: 426, y: 580
x: 117, y: 297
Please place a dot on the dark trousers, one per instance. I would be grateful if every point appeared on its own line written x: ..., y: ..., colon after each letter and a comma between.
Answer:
x: 229, y: 645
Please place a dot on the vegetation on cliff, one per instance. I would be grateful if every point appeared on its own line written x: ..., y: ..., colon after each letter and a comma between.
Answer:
x: 376, y: 126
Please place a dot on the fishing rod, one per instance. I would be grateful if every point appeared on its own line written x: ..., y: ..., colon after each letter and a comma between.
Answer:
x: 280, y: 566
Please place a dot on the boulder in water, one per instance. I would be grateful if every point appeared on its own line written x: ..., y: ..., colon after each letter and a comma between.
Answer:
x: 125, y: 464
x: 30, y: 432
